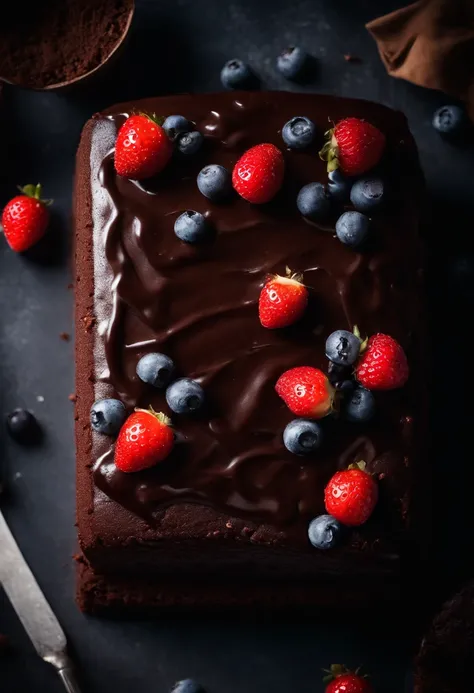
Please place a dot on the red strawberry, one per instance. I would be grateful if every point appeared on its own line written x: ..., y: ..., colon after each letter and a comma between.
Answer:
x: 258, y: 174
x: 354, y: 146
x: 351, y: 495
x: 25, y: 218
x: 344, y: 681
x: 144, y: 440
x: 142, y: 148
x: 283, y: 300
x: 383, y: 365
x: 306, y: 391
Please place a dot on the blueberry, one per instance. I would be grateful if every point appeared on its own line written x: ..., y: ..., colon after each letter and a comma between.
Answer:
x: 367, y: 194
x: 450, y: 121
x: 361, y: 406
x: 299, y: 132
x: 302, y: 436
x: 339, y: 186
x: 156, y: 369
x: 340, y: 377
x: 192, y: 227
x: 214, y: 182
x: 23, y: 426
x: 108, y: 416
x: 342, y: 347
x: 187, y: 686
x: 313, y: 201
x: 324, y: 532
x: 175, y: 125
x: 189, y: 143
x: 292, y: 62
x: 352, y: 228
x: 236, y: 75
x: 185, y: 396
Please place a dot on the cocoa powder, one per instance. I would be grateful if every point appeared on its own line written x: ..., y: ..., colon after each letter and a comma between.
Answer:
x: 57, y: 41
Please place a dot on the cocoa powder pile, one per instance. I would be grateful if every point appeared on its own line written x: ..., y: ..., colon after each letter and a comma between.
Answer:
x: 51, y: 42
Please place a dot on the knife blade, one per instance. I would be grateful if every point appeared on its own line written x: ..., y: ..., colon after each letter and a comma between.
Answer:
x: 33, y: 610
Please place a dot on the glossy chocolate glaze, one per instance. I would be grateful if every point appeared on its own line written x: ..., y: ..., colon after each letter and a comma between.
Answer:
x: 200, y: 306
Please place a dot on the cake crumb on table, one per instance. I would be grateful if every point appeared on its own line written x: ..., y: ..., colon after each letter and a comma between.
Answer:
x: 72, y: 397
x: 65, y: 336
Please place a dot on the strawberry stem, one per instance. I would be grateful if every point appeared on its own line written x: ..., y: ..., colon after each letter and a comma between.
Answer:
x: 330, y: 151
x: 358, y: 465
x: 162, y: 418
x: 34, y: 191
x: 158, y: 120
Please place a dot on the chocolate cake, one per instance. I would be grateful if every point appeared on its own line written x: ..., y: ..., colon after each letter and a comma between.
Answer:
x: 226, y: 515
x: 444, y: 662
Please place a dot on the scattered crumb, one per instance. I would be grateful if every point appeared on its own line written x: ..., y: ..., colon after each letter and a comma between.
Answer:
x: 40, y: 398
x: 76, y: 556
x: 70, y: 286
x: 349, y: 58
x: 65, y: 336
x: 89, y: 322
x: 72, y: 397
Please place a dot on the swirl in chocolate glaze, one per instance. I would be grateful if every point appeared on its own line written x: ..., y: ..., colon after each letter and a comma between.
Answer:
x: 199, y: 305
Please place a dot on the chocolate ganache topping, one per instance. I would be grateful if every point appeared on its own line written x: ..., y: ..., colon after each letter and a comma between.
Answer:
x: 199, y: 305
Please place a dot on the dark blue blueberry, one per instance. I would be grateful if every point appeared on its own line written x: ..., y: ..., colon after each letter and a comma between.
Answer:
x: 214, y: 182
x: 185, y: 396
x: 292, y: 62
x: 237, y: 75
x: 339, y: 186
x: 450, y: 121
x: 175, y: 125
x: 192, y: 227
x: 299, y: 132
x: 313, y: 201
x: 23, y: 426
x: 367, y: 194
x: 108, y: 416
x: 352, y: 228
x: 187, y: 686
x: 156, y: 369
x: 340, y: 377
x: 360, y: 407
x: 302, y: 436
x: 189, y: 143
x: 342, y: 347
x: 325, y: 532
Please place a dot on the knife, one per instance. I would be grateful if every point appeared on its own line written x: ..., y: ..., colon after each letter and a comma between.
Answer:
x: 32, y: 608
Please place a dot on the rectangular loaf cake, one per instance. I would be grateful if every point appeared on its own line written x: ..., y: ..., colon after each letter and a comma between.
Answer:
x: 225, y: 519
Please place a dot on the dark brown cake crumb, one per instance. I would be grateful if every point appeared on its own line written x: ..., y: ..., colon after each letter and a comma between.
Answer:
x: 65, y: 336
x: 72, y: 397
x: 349, y: 58
x: 89, y: 322
x: 59, y: 40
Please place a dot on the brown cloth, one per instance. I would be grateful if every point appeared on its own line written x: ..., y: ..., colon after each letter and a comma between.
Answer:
x: 430, y: 43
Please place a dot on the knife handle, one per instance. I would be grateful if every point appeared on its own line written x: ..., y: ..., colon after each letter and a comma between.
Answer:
x: 69, y: 680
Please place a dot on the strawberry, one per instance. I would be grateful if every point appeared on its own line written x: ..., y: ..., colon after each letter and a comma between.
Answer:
x: 144, y: 440
x: 25, y: 218
x: 383, y: 365
x: 283, y: 300
x: 354, y: 146
x: 341, y: 680
x: 142, y: 148
x: 306, y: 392
x: 351, y: 495
x: 258, y: 174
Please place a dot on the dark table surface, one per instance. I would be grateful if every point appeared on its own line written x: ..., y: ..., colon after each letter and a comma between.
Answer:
x: 180, y: 45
